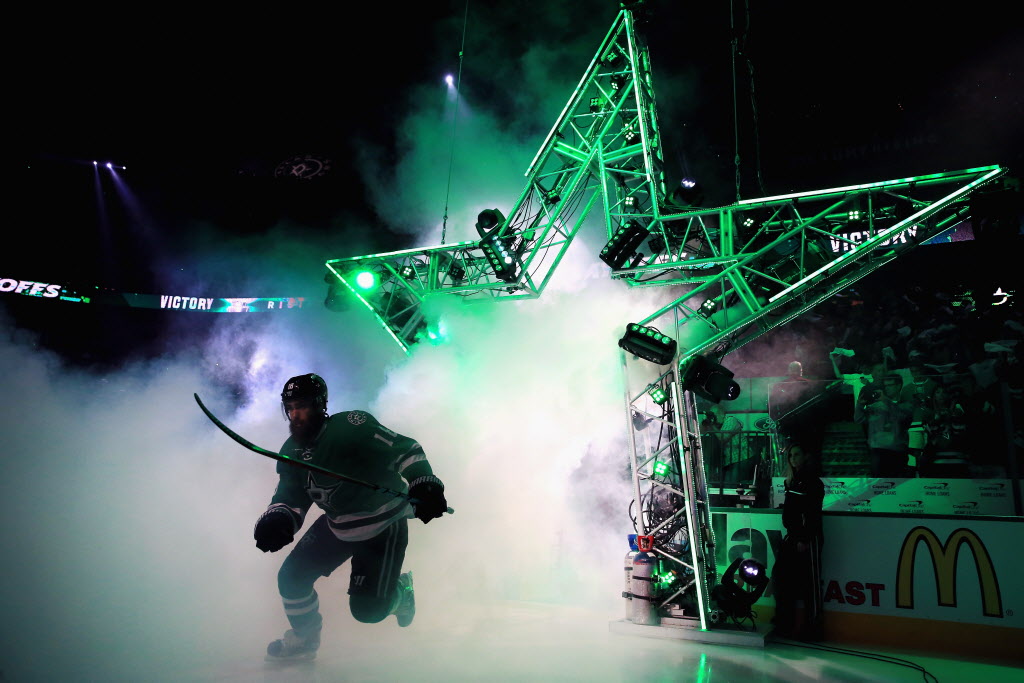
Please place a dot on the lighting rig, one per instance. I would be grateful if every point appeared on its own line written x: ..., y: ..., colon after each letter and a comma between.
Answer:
x: 759, y: 262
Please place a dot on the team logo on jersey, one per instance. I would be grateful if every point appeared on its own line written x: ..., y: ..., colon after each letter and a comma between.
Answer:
x: 320, y: 494
x: 357, y: 417
x: 307, y: 454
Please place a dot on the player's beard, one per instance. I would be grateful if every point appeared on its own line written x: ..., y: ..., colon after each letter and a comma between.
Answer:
x: 306, y: 430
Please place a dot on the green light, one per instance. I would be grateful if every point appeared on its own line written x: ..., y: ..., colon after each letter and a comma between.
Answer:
x: 663, y: 578
x: 660, y: 468
x: 366, y: 279
x: 436, y: 333
x: 657, y: 395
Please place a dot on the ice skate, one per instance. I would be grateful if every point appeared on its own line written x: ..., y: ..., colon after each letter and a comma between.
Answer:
x: 293, y: 647
x: 407, y: 601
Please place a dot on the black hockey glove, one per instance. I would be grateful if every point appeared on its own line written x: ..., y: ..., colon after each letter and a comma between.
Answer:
x: 275, y: 529
x: 428, y: 492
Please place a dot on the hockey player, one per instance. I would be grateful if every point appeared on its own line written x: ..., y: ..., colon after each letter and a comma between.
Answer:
x: 359, y: 523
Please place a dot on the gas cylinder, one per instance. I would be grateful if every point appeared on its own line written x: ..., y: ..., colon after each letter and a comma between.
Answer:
x: 628, y: 565
x: 643, y: 608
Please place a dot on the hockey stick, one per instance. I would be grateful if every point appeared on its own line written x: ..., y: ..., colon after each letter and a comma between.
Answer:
x: 309, y: 466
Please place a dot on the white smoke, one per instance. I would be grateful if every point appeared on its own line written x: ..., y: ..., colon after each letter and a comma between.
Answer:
x: 129, y: 537
x: 132, y: 514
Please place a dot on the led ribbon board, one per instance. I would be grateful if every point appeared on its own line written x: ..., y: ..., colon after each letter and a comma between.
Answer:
x: 106, y: 297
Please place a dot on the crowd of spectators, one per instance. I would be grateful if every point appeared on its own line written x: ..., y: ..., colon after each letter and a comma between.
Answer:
x: 951, y: 382
x: 936, y: 375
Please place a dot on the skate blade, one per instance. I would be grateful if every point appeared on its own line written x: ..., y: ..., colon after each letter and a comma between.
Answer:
x: 293, y: 659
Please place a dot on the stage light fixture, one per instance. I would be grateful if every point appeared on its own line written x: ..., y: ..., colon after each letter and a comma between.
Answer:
x: 487, y: 220
x: 621, y: 248
x: 689, y: 193
x: 709, y: 380
x: 503, y: 261
x: 629, y: 132
x: 611, y: 58
x: 366, y: 279
x: 498, y: 250
x: 734, y: 600
x: 617, y: 81
x: 753, y: 572
x: 639, y: 421
x: 709, y: 306
x: 648, y: 343
x: 456, y: 272
x: 657, y: 394
x: 856, y: 216
x: 660, y: 469
x: 408, y: 271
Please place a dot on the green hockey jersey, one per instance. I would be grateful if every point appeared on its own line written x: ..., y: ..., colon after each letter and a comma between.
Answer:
x: 355, y: 444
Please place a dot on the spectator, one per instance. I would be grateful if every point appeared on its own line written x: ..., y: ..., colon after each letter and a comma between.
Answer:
x: 947, y: 430
x: 797, y: 571
x: 739, y: 458
x: 887, y: 419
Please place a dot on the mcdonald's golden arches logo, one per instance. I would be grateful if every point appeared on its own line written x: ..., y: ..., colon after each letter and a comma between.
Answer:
x: 944, y: 562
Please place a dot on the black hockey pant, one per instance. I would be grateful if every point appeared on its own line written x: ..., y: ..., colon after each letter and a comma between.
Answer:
x: 372, y: 589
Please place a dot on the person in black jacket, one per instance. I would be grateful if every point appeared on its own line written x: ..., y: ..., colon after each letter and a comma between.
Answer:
x: 797, y: 572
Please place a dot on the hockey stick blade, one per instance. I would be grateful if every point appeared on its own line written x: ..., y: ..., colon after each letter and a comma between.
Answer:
x: 292, y: 461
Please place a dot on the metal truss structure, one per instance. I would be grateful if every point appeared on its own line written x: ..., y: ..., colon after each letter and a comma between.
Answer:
x: 605, y: 146
x: 670, y: 494
x: 747, y: 268
x: 765, y: 261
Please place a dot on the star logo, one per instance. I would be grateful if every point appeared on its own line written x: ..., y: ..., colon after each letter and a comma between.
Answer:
x: 319, y: 494
x: 357, y: 417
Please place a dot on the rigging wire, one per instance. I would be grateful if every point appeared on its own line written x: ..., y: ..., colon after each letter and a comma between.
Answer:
x: 735, y: 115
x: 739, y: 41
x: 455, y: 121
x: 753, y: 111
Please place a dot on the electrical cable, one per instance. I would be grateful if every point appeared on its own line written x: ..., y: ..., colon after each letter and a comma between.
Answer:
x: 574, y: 199
x: 927, y: 676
